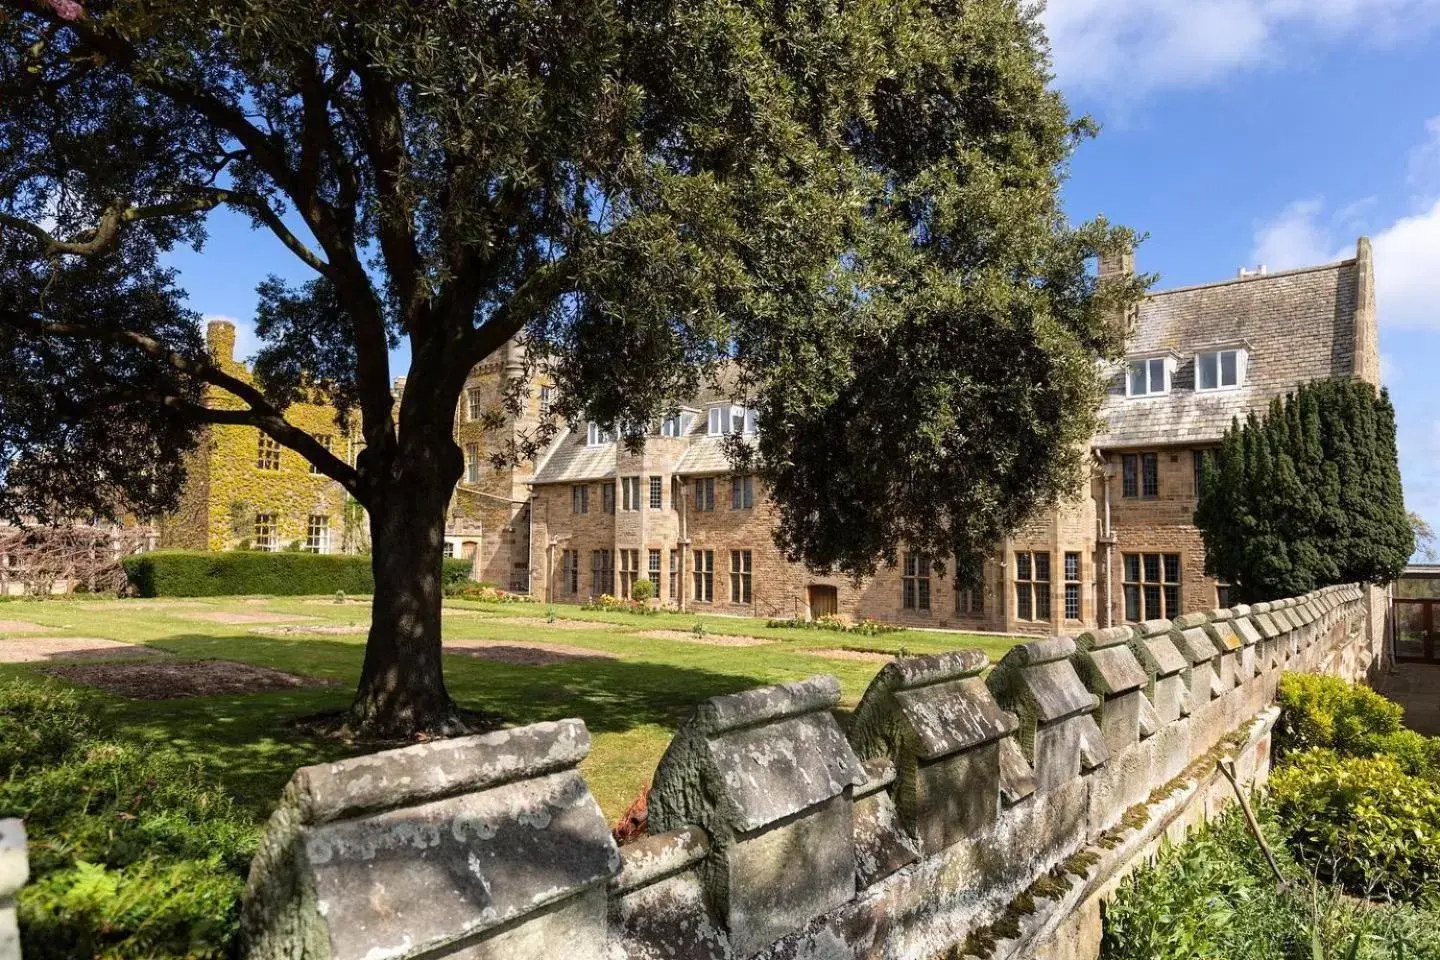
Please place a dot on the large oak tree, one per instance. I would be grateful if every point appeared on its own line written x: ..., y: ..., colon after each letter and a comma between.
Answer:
x: 850, y: 205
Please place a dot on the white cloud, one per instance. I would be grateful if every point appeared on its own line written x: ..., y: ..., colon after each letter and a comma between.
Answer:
x: 1407, y: 257
x: 1424, y: 161
x: 1123, y: 49
x: 1294, y: 238
x: 1407, y: 271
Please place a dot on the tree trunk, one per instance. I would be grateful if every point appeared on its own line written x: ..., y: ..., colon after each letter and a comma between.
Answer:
x: 402, y: 684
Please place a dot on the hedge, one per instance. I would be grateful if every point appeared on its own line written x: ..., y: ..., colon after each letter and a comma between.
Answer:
x: 195, y: 573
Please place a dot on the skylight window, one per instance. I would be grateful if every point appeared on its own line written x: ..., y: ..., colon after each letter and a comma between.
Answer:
x: 1220, y: 369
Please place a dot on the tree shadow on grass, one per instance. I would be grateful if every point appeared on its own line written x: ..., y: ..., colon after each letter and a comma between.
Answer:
x: 251, y: 746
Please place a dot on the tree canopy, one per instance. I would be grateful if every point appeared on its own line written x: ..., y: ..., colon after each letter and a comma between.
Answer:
x: 1307, y: 496
x: 846, y: 215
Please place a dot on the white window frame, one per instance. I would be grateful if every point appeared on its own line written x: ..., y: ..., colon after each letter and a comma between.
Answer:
x: 598, y: 436
x: 474, y: 404
x: 716, y: 421
x: 317, y: 533
x: 472, y: 463
x: 1241, y: 361
x: 1166, y: 367
x: 678, y: 425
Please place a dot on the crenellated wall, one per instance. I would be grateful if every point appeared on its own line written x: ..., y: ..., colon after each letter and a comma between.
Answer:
x: 963, y: 812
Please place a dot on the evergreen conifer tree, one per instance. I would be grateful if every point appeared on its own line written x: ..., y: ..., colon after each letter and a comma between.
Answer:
x: 1307, y: 496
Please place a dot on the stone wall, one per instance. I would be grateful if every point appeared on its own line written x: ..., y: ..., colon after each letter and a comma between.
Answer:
x: 959, y: 812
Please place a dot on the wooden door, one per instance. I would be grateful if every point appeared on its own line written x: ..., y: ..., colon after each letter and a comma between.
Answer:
x: 824, y: 601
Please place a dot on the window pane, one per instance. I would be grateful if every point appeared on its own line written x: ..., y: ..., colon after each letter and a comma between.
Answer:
x: 1229, y: 368
x: 1042, y: 603
x: 1072, y: 601
x: 1137, y: 379
x: 923, y: 591
x: 1132, y: 603
x: 1152, y: 568
x: 1042, y: 566
x: 1072, y: 566
x: 1172, y: 602
x: 1150, y: 475
x: 1132, y: 567
x: 1207, y: 371
x: 1022, y: 566
x: 1153, y: 610
x: 1131, y: 481
x: 1172, y: 568
x: 1023, y: 609
x: 1157, y: 375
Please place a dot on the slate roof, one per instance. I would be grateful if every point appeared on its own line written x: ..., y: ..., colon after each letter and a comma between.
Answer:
x: 1298, y: 325
x: 570, y: 460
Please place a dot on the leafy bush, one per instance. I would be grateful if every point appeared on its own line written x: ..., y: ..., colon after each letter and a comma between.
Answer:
x: 198, y: 573
x: 134, y: 851
x: 1351, y: 719
x: 1214, y: 897
x: 609, y: 603
x: 867, y: 627
x: 1362, y: 822
x: 483, y: 592
x: 642, y: 591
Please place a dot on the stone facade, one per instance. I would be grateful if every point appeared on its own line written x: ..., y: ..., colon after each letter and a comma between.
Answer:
x: 1125, y: 548
x: 951, y: 810
x: 239, y: 492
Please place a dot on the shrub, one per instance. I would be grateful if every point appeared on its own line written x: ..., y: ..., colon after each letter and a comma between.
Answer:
x: 867, y: 627
x: 197, y: 573
x: 642, y: 591
x: 1352, y: 720
x: 1214, y: 897
x: 134, y: 851
x: 609, y: 603
x: 1362, y: 822
x: 483, y: 592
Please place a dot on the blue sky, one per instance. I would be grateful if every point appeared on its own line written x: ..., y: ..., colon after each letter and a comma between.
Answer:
x: 1236, y: 132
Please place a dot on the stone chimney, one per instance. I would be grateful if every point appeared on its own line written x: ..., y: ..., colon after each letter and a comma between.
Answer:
x: 1367, y: 328
x: 1119, y: 262
x: 220, y: 338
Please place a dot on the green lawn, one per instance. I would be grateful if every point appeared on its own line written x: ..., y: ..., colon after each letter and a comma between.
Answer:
x: 631, y: 702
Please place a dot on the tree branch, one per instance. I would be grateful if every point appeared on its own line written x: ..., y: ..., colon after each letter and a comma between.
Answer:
x: 383, y: 134
x: 262, y: 414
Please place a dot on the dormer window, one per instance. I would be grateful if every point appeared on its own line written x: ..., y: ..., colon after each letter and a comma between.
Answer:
x: 598, y: 436
x: 1149, y: 377
x: 1220, y: 369
x: 678, y: 425
x: 732, y: 419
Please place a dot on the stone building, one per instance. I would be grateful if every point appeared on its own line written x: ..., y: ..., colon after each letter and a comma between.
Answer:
x: 589, y: 517
x: 592, y: 517
x: 244, y: 490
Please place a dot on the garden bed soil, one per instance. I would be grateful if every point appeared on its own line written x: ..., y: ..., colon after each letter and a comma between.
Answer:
x: 41, y: 649
x: 225, y: 616
x: 541, y: 621
x: 709, y: 639
x: 524, y: 654
x: 181, y: 679
x: 323, y: 629
x: 8, y: 627
x: 840, y: 653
